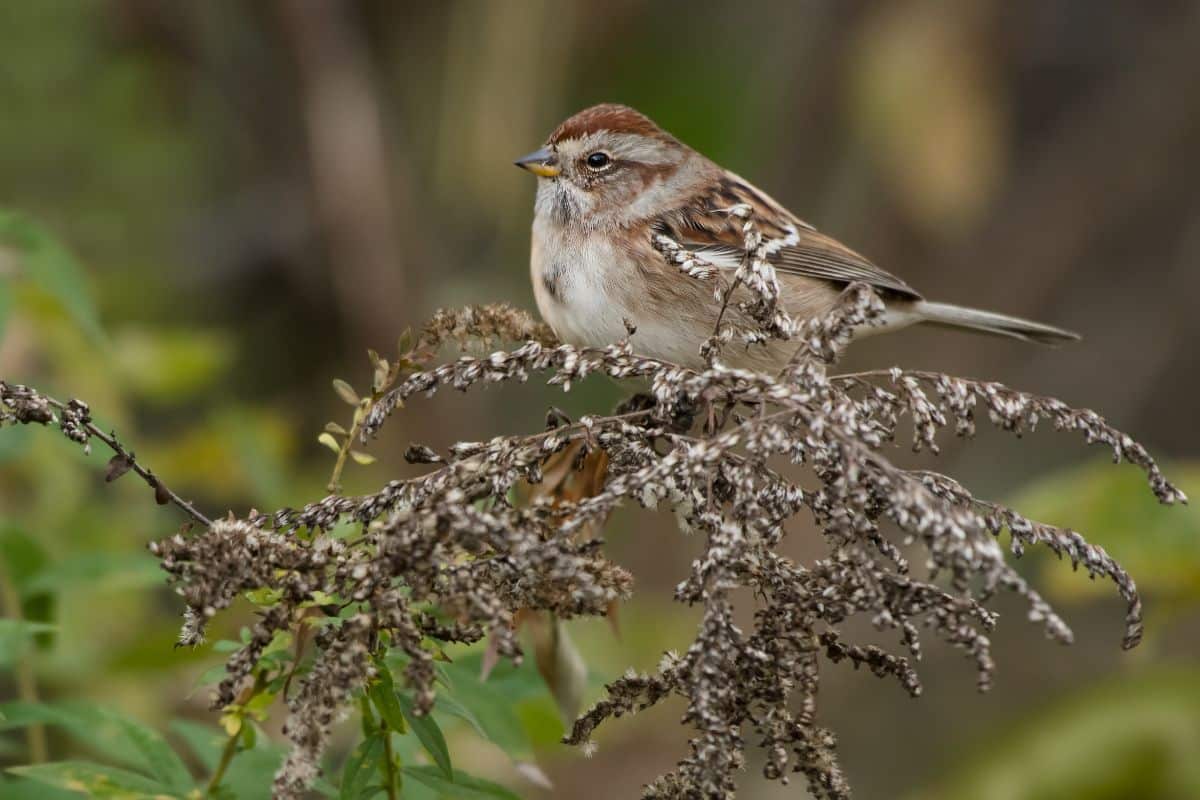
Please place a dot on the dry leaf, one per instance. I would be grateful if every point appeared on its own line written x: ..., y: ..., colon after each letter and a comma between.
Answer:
x: 118, y: 465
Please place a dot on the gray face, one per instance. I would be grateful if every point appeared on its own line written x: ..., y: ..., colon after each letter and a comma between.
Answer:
x: 608, y: 179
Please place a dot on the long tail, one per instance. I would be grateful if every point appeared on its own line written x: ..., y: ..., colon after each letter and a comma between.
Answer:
x: 990, y: 322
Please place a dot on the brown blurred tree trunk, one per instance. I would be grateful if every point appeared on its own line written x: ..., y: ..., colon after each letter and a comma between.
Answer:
x: 351, y: 171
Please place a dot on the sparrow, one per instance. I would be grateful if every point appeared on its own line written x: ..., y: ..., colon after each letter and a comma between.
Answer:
x: 613, y: 187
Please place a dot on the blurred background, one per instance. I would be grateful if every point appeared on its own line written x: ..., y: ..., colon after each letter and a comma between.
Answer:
x: 213, y: 208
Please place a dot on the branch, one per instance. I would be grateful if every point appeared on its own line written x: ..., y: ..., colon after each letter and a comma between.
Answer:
x: 24, y: 405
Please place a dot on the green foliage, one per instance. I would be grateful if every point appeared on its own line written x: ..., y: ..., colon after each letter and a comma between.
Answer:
x: 250, y: 772
x: 163, y: 365
x: 462, y: 786
x: 21, y: 560
x: 1159, y: 544
x: 430, y: 735
x: 156, y: 769
x: 493, y: 704
x: 101, y: 571
x: 95, y: 780
x: 48, y: 265
x: 13, y: 787
x: 1133, y: 738
x: 16, y: 635
x: 159, y: 758
x: 360, y: 768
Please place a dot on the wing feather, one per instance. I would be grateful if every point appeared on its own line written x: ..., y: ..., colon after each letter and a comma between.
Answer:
x: 702, y: 226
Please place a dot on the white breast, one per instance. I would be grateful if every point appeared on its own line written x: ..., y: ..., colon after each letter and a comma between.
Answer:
x: 576, y: 280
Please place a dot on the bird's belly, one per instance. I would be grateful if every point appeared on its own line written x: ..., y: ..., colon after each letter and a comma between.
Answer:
x: 584, y: 315
x: 578, y: 292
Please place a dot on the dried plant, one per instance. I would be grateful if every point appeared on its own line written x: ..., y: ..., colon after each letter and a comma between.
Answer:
x: 450, y: 556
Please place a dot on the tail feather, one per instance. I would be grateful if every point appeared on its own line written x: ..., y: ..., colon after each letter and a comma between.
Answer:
x: 990, y: 322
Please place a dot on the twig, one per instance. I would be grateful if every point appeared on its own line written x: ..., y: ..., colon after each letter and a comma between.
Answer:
x: 122, y: 454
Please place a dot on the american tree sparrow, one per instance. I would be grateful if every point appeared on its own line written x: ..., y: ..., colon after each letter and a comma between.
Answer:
x: 614, y: 188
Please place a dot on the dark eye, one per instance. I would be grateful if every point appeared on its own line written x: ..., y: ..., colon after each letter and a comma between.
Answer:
x: 598, y: 160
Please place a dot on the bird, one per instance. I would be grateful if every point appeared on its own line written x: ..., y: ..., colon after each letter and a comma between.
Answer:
x: 613, y: 186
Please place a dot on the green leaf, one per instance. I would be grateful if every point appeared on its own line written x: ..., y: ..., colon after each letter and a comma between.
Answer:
x: 95, y: 780
x: 52, y: 268
x: 1134, y: 736
x: 365, y: 459
x: 448, y: 704
x: 15, y: 788
x: 463, y: 786
x: 324, y: 787
x: 383, y: 696
x: 405, y: 342
x: 330, y: 442
x: 204, y: 741
x: 491, y: 703
x: 115, y: 736
x: 163, y: 762
x: 345, y: 391
x: 15, y: 637
x: 264, y: 596
x: 213, y: 675
x: 359, y: 768
x: 18, y: 714
x: 430, y: 735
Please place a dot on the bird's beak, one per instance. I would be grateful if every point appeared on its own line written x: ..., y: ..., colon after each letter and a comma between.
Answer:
x: 540, y: 162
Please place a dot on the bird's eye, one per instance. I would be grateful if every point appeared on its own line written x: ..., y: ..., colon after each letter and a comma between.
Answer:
x: 598, y: 160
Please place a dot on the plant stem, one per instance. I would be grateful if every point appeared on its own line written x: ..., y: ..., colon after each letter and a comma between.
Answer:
x: 230, y: 749
x: 360, y: 414
x: 389, y: 760
x: 227, y: 754
x: 27, y: 691
x: 335, y: 480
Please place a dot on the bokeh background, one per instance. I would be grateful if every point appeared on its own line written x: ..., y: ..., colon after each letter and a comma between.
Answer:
x: 248, y: 195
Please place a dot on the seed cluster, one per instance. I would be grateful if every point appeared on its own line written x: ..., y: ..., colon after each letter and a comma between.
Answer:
x: 736, y: 455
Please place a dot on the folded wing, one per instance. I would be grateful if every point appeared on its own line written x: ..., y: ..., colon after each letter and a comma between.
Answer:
x: 704, y: 226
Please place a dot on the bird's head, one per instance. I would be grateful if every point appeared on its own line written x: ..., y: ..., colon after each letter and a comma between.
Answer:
x: 608, y: 165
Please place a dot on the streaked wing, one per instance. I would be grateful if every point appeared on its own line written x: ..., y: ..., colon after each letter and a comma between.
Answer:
x: 702, y: 226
